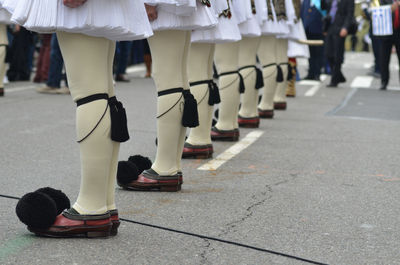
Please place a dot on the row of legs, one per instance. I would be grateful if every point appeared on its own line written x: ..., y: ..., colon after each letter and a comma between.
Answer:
x: 90, y: 72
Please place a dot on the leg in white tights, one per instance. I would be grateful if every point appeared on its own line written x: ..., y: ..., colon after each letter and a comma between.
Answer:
x: 87, y: 61
x: 226, y: 60
x: 201, y: 59
x: 280, y: 94
x: 267, y: 55
x: 170, y: 50
x: 247, y: 57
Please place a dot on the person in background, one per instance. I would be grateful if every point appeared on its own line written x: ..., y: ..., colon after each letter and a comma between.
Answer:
x: 3, y: 45
x: 42, y: 66
x: 121, y: 58
x: 388, y: 42
x: 55, y: 75
x: 311, y: 15
x: 340, y: 15
x: 21, y: 51
x: 147, y: 58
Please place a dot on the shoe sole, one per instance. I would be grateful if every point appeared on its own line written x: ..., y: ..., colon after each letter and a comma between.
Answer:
x: 249, y: 125
x: 280, y: 106
x: 196, y: 155
x: 225, y: 138
x: 114, y: 228
x: 78, y: 232
x: 156, y: 187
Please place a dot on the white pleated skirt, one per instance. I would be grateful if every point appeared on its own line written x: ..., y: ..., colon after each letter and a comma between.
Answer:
x: 177, y: 7
x: 227, y: 30
x: 298, y: 50
x: 5, y: 17
x: 202, y: 18
x: 270, y: 27
x: 296, y: 32
x: 238, y: 9
x: 115, y: 20
x: 250, y: 28
x: 262, y: 11
x: 219, y: 6
x: 283, y: 28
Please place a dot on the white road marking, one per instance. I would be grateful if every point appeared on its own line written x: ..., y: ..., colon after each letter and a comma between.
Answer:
x: 308, y: 82
x: 22, y: 88
x: 362, y: 82
x: 368, y: 65
x: 136, y: 69
x: 395, y: 88
x: 232, y: 151
x: 311, y: 92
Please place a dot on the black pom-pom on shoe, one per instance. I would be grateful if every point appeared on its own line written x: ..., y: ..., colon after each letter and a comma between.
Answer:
x: 127, y: 172
x: 37, y: 210
x: 59, y: 197
x: 141, y: 162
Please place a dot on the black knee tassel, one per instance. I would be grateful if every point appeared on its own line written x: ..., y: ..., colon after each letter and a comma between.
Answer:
x: 279, y: 75
x: 214, y: 97
x: 260, y: 79
x: 119, y: 123
x: 190, y: 117
x: 241, y: 84
x: 290, y: 73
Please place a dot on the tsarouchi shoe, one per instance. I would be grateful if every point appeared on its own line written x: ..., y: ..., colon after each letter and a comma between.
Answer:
x: 252, y: 122
x: 197, y: 151
x: 115, y: 222
x: 280, y: 105
x: 151, y: 180
x: 224, y: 135
x: 72, y: 224
x: 266, y: 114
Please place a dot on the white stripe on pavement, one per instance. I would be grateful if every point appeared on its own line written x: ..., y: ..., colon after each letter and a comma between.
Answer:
x: 311, y: 92
x: 232, y: 151
x: 362, y: 82
x: 135, y: 69
x: 308, y: 82
x: 22, y: 88
x: 368, y: 65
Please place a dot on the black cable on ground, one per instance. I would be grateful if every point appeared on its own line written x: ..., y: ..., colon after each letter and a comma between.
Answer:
x: 207, y: 237
x: 9, y: 197
x: 223, y: 241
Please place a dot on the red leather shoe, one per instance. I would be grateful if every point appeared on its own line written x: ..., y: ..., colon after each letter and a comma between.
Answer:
x: 266, y: 114
x: 197, y: 151
x: 151, y: 180
x: 72, y: 224
x: 253, y: 122
x: 280, y: 105
x: 115, y: 222
x: 224, y: 135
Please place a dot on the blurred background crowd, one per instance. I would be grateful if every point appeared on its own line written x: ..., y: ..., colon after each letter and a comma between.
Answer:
x: 37, y: 57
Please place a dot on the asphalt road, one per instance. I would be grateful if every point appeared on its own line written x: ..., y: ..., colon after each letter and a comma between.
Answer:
x: 320, y: 184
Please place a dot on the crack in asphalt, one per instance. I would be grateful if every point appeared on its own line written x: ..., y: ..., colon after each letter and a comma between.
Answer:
x: 203, y: 254
x: 230, y: 227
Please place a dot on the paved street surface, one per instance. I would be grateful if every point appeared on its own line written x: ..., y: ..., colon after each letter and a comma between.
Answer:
x: 319, y: 184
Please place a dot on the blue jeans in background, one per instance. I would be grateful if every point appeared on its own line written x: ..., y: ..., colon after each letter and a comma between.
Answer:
x: 122, y: 56
x: 56, y: 64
